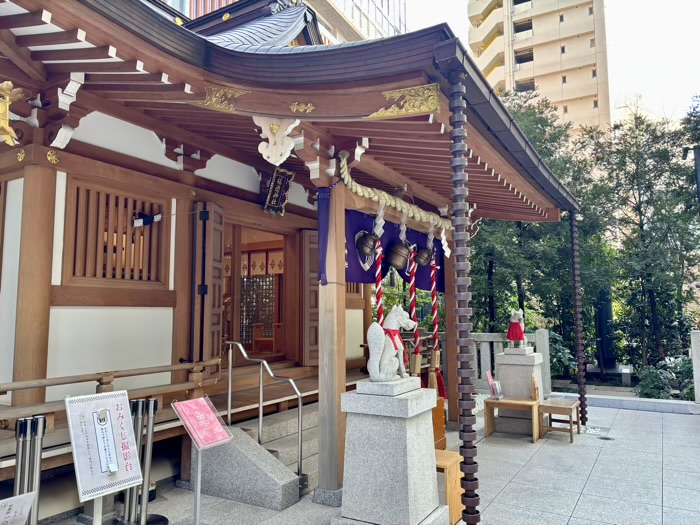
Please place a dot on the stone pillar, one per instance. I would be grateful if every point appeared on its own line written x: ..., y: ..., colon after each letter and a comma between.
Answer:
x: 390, y: 473
x: 34, y: 282
x: 542, y: 347
x: 695, y: 356
x: 516, y: 367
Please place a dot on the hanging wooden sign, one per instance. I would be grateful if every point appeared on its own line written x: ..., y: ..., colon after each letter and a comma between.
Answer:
x: 278, y: 192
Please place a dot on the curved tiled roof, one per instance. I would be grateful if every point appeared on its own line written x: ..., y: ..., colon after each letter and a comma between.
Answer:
x: 278, y: 29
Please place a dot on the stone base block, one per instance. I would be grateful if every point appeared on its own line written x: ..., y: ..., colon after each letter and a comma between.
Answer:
x: 392, y: 388
x: 440, y: 516
x: 523, y: 350
x: 243, y: 471
x: 328, y: 497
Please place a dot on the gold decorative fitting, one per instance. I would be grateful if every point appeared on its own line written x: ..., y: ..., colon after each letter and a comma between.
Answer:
x: 274, y: 127
x: 218, y: 98
x: 299, y: 107
x: 21, y: 155
x: 179, y: 21
x: 52, y: 156
x: 410, y: 101
x: 193, y: 194
x: 8, y: 94
x: 227, y: 16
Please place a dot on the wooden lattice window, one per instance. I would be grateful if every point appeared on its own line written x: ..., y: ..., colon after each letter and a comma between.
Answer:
x: 103, y: 246
x: 258, y: 302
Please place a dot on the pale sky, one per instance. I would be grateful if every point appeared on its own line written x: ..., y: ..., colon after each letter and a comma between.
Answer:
x: 653, y: 48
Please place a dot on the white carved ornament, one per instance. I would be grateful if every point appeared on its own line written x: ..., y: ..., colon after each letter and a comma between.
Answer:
x: 276, y: 130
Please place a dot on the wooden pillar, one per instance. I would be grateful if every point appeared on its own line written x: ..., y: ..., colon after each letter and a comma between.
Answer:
x: 331, y: 368
x: 34, y: 282
x: 462, y: 282
x: 578, y: 318
x: 291, y: 316
x: 451, y: 349
x: 183, y: 287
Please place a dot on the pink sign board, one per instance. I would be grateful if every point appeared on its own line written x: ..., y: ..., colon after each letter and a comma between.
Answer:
x: 202, y: 423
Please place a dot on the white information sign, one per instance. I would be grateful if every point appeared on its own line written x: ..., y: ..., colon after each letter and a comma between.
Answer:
x: 15, y: 511
x: 104, y: 448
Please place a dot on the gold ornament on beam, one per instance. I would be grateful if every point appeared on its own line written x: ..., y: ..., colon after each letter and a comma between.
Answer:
x: 21, y: 155
x: 52, y: 156
x: 8, y: 94
x: 410, y: 101
x: 299, y: 107
x: 219, y: 98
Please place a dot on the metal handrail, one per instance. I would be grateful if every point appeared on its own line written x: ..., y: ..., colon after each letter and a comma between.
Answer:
x: 264, y: 366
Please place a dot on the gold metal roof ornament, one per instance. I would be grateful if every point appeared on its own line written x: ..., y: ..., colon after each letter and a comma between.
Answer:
x: 8, y: 94
x: 410, y: 101
x: 219, y: 98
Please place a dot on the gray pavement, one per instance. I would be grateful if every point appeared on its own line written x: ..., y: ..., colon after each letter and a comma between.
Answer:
x: 648, y: 473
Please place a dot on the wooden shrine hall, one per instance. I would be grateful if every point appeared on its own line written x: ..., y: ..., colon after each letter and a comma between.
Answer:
x: 142, y: 158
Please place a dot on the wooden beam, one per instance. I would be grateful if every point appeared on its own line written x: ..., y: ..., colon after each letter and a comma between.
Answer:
x: 112, y: 79
x: 34, y: 282
x: 376, y: 169
x: 291, y: 295
x: 183, y: 286
x: 94, y: 296
x: 35, y: 18
x: 20, y: 56
x: 115, y: 109
x: 82, y: 53
x: 332, y: 364
x: 51, y: 39
x: 129, y: 66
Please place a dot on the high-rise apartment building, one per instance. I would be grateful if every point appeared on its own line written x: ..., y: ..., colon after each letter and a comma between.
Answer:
x: 339, y: 20
x: 556, y: 46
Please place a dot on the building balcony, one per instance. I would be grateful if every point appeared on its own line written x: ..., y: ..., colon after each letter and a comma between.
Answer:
x: 542, y: 7
x: 492, y: 54
x: 479, y: 10
x: 492, y: 25
x: 565, y: 63
x: 523, y: 71
x: 497, y: 78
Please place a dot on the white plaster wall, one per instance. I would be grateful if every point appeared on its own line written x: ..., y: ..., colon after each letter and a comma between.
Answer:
x: 353, y: 334
x: 117, y: 135
x: 98, y: 339
x: 8, y: 286
x: 298, y: 195
x: 232, y: 173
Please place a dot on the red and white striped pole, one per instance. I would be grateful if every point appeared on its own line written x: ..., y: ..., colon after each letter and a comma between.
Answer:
x: 412, y: 267
x: 379, y: 256
x: 433, y: 302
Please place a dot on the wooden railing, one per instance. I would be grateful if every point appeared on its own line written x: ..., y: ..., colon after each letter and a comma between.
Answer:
x: 105, y: 383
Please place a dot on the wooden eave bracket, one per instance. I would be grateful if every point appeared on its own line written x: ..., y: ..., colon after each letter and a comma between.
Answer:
x: 318, y: 156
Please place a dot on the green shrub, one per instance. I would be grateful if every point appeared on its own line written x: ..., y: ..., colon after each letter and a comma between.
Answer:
x: 683, y: 370
x: 561, y: 361
x: 654, y: 383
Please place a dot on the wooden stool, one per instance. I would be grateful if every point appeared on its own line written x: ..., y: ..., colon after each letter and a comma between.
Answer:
x: 448, y: 463
x: 564, y: 407
x: 527, y: 405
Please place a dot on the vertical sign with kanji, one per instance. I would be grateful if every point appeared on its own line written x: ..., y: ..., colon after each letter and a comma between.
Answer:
x: 104, y: 446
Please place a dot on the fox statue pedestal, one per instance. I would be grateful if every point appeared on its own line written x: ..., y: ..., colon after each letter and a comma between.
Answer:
x: 390, y: 476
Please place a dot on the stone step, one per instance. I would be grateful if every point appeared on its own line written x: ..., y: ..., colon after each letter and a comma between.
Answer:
x: 282, y: 424
x: 286, y: 447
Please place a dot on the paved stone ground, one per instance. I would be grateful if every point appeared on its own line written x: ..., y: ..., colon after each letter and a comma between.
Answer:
x: 648, y: 474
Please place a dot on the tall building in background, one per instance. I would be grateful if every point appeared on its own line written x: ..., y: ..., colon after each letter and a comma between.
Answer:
x: 556, y: 46
x: 339, y: 20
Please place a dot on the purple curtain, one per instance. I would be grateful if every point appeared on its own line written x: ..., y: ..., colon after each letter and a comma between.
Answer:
x: 324, y: 205
x: 360, y: 269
